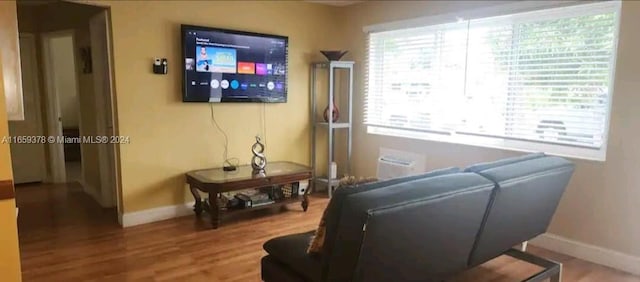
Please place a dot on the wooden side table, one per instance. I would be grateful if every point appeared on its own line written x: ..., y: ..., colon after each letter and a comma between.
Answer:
x: 215, y: 181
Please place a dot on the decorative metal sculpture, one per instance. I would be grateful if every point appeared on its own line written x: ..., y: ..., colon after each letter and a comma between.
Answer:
x: 259, y: 161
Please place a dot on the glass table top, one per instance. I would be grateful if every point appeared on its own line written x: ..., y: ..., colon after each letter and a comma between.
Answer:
x: 245, y: 172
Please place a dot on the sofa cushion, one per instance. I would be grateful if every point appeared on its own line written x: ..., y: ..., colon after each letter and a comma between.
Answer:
x: 489, y: 165
x: 291, y: 250
x: 317, y: 241
x: 524, y: 201
x: 431, y: 238
x: 358, y: 207
x: 334, y: 208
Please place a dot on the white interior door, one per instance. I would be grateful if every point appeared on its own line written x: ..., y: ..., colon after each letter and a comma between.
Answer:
x: 57, y: 167
x: 28, y: 160
x: 99, y: 30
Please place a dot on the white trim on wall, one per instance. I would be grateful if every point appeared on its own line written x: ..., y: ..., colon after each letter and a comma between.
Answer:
x: 157, y: 214
x: 595, y: 254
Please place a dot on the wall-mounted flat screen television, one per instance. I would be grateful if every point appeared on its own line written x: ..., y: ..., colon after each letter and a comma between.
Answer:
x: 223, y: 65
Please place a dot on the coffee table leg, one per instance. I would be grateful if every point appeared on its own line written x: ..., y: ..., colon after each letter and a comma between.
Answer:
x: 197, y: 207
x: 305, y: 202
x: 215, y: 210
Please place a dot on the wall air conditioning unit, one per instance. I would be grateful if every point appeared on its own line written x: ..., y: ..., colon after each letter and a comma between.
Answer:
x: 394, y: 163
x: 393, y: 167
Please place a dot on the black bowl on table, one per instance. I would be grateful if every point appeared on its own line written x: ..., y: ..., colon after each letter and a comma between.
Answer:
x: 333, y: 55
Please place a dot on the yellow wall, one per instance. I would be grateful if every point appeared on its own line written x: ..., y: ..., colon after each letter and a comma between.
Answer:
x: 168, y: 137
x: 602, y: 202
x: 9, y: 253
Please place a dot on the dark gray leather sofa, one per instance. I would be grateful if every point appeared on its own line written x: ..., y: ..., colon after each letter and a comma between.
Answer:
x: 429, y: 227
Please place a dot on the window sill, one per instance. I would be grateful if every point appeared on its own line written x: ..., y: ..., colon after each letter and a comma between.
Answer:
x: 496, y: 143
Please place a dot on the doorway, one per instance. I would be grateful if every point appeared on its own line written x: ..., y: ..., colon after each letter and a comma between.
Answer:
x: 67, y: 73
x: 63, y: 106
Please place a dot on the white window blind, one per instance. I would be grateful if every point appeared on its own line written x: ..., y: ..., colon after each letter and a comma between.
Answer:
x: 539, y: 77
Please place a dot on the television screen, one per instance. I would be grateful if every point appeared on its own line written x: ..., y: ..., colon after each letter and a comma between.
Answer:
x: 233, y: 66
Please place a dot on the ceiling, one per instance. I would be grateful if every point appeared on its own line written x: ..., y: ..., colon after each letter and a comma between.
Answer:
x: 334, y: 3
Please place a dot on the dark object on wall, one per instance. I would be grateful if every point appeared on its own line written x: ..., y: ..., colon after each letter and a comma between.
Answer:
x: 160, y: 66
x: 241, y: 66
x: 85, y: 56
x: 333, y: 55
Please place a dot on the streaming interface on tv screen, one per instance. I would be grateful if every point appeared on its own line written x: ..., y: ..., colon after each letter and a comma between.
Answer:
x: 225, y: 66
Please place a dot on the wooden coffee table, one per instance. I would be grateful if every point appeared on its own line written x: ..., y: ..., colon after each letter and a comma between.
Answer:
x: 215, y: 181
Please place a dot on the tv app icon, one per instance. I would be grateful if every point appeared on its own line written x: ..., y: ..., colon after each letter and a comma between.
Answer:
x: 224, y: 84
x: 215, y: 83
x: 270, y: 85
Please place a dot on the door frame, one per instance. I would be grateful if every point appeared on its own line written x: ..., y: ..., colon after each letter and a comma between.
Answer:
x: 57, y: 173
x: 103, y: 101
x: 108, y: 123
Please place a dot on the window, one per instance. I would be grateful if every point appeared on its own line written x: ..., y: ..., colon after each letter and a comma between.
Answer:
x: 534, y: 81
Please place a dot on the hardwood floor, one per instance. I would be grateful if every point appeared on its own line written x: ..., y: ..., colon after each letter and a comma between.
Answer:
x: 66, y: 236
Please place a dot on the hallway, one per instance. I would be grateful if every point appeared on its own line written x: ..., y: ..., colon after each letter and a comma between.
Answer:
x: 45, y: 208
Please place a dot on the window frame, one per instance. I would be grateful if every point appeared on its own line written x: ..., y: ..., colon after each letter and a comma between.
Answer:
x: 504, y: 143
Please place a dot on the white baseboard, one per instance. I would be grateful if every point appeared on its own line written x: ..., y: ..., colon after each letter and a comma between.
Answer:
x: 595, y: 254
x: 156, y: 214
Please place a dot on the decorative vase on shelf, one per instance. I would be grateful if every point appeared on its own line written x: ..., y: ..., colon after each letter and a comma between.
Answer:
x: 335, y: 114
x: 332, y: 55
